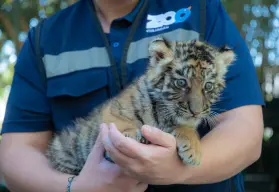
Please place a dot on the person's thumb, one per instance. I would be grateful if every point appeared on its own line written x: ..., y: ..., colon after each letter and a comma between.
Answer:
x: 158, y: 137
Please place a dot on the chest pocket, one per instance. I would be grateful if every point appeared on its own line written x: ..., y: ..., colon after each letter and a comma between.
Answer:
x: 76, y: 94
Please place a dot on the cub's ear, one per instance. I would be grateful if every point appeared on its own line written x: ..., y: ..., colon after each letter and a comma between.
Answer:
x: 160, y: 51
x: 227, y: 55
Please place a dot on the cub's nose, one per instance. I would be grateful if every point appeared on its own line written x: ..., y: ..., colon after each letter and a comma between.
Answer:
x: 194, y: 112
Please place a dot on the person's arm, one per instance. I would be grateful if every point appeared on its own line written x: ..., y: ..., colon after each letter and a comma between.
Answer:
x: 25, y: 166
x: 233, y: 145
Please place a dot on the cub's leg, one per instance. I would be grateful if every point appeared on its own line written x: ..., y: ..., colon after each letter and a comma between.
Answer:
x: 188, y: 145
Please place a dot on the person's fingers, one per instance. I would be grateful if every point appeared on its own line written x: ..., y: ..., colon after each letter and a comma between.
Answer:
x: 126, y: 145
x: 116, y: 155
x: 158, y: 137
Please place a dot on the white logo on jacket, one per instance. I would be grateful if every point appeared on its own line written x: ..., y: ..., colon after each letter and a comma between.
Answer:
x: 163, y: 21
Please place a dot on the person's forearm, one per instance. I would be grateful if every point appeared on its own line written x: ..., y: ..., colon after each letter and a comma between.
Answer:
x: 226, y: 151
x: 28, y: 171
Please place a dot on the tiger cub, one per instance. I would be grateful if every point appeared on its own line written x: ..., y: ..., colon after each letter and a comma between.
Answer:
x: 175, y: 93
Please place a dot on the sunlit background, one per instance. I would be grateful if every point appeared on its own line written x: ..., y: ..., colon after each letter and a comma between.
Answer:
x: 258, y: 22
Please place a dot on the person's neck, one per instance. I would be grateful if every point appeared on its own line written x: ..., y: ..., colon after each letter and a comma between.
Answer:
x: 109, y: 10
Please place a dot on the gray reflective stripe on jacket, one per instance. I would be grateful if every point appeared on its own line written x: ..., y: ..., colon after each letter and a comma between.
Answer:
x: 95, y: 57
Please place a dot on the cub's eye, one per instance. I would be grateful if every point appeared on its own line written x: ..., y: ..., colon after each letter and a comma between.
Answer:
x: 180, y: 83
x: 208, y: 86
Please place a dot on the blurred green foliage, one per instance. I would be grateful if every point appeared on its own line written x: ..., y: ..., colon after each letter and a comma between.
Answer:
x: 6, y: 78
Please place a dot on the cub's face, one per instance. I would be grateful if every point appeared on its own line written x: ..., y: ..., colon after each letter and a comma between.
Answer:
x: 187, y: 77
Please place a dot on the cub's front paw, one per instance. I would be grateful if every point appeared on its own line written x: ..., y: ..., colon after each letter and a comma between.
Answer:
x: 188, y: 146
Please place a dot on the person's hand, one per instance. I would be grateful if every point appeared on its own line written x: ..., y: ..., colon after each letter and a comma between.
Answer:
x: 100, y: 175
x: 157, y: 163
